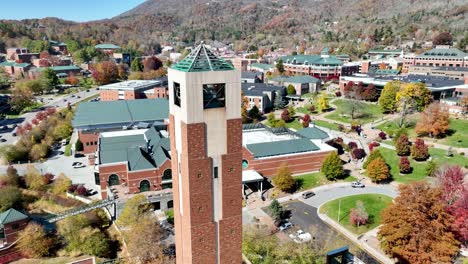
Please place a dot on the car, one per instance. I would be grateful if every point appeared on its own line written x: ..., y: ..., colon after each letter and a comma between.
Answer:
x: 285, y: 226
x: 357, y: 184
x: 307, y: 195
x: 72, y: 95
x: 78, y: 97
x: 87, y: 91
x: 2, y: 140
x: 79, y: 155
x: 13, y: 134
x: 64, y: 100
x: 77, y: 165
x: 3, y: 128
x: 50, y: 98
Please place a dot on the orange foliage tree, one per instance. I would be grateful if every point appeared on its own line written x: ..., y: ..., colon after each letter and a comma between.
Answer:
x: 416, y: 228
x: 434, y: 121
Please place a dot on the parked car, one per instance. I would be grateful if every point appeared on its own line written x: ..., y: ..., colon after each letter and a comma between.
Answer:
x: 87, y: 91
x: 79, y: 155
x: 357, y: 184
x: 307, y: 195
x: 300, y: 236
x: 2, y: 140
x: 77, y: 165
x: 285, y: 226
x: 3, y: 127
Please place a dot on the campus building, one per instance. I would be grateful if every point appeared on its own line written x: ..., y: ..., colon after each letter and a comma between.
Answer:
x: 11, y: 223
x: 134, y: 89
x: 206, y: 149
x: 302, y: 83
x: 441, y: 56
x: 456, y: 73
x: 93, y: 118
x: 262, y: 95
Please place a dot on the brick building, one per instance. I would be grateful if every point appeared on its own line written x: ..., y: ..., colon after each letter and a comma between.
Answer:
x: 21, y: 55
x: 11, y: 222
x: 135, y: 89
x: 262, y: 95
x: 107, y: 48
x: 438, y: 57
x: 92, y: 118
x: 136, y: 160
x: 15, y: 69
x: 456, y: 73
x: 302, y: 83
x: 206, y: 148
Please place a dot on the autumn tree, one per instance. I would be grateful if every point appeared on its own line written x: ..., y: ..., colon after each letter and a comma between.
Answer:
x: 433, y: 121
x: 419, y: 150
x: 378, y: 170
x: 152, y: 64
x: 332, y: 166
x: 387, y: 99
x: 450, y: 180
x: 33, y: 178
x: 404, y: 165
x: 323, y: 103
x: 134, y: 208
x: 136, y: 65
x: 403, y: 145
x: 443, y: 38
x: 34, y: 242
x: 105, y: 72
x: 280, y: 66
x: 370, y: 93
x: 283, y: 179
x: 291, y: 90
x: 144, y: 241
x: 358, y: 216
x: 20, y: 99
x: 306, y: 120
x: 61, y: 184
x: 412, y: 96
x: 416, y: 228
x: 374, y: 154
x: 10, y: 197
x: 285, y: 115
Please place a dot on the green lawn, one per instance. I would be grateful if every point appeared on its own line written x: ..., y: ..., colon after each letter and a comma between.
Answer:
x: 294, y: 124
x: 391, y: 127
x: 311, y: 180
x: 305, y: 110
x: 459, y: 136
x: 419, y: 168
x: 374, y: 204
x: 366, y: 114
x: 326, y: 124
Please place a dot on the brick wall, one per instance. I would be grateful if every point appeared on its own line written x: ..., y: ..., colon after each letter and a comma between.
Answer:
x: 89, y: 140
x: 109, y: 95
x: 11, y: 234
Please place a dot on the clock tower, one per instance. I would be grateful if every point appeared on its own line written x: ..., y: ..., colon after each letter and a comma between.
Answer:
x: 206, y: 151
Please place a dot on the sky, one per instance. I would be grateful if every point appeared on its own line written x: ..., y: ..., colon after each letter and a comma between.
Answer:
x: 75, y: 10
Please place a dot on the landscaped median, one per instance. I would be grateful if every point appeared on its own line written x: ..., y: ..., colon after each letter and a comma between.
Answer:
x: 312, y: 180
x: 373, y: 205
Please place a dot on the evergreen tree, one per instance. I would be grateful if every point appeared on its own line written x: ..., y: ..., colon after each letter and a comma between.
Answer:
x: 280, y: 66
x: 280, y: 102
x: 136, y: 65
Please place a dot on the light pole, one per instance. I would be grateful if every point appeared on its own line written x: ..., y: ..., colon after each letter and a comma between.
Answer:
x: 339, y: 210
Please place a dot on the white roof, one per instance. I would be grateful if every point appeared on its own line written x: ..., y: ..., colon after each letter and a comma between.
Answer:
x: 123, y: 133
x: 251, y: 176
x: 131, y: 85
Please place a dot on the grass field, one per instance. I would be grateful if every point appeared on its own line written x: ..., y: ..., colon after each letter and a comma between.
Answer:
x: 419, y: 168
x: 311, y: 180
x: 391, y: 127
x: 326, y: 124
x: 374, y: 204
x: 366, y: 114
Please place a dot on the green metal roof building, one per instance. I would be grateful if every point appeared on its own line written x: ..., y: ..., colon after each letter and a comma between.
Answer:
x: 313, y: 133
x: 443, y: 53
x: 201, y: 59
x: 107, y: 46
x: 117, y: 114
x: 276, y: 148
x: 10, y: 216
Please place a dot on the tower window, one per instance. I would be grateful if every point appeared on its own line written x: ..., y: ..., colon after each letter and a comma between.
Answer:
x: 215, y: 172
x: 176, y: 93
x: 214, y: 95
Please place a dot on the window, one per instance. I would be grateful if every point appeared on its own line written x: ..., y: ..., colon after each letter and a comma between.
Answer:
x: 176, y: 93
x: 14, y: 226
x: 2, y: 233
x: 214, y: 95
x: 215, y: 172
x: 167, y: 175
x: 96, y: 179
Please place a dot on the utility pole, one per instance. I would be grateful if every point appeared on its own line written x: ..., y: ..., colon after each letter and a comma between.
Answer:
x: 339, y: 210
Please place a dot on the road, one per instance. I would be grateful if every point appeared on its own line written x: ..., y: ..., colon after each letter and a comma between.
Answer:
x: 60, y: 102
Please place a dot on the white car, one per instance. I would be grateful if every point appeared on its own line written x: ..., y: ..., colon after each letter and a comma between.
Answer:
x: 300, y: 236
x: 77, y: 165
x: 357, y: 184
x: 285, y: 226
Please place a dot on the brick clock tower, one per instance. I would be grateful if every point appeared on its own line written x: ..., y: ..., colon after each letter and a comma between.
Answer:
x: 206, y: 152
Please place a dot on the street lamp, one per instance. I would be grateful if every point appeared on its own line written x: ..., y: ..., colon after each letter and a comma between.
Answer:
x: 339, y: 210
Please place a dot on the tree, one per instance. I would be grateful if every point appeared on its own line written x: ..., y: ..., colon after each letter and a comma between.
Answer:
x: 133, y: 210
x: 370, y: 93
x: 419, y: 151
x: 292, y: 111
x: 144, y: 241
x: 94, y: 242
x: 280, y: 102
x: 291, y: 90
x: 443, y: 38
x: 306, y: 120
x: 374, y: 154
x: 11, y: 177
x: 61, y: 184
x: 283, y: 179
x: 285, y: 116
x: 414, y: 95
x: 332, y: 166
x: 20, y: 99
x: 105, y: 72
x: 358, y: 216
x: 459, y: 210
x: 450, y: 180
x: 280, y: 66
x: 79, y: 145
x: 416, y: 227
x: 152, y: 64
x: 433, y: 121
x: 323, y: 103
x: 378, y: 170
x: 353, y: 107
x: 10, y: 197
x: 51, y: 79
x: 34, y: 242
x: 136, y: 65
x: 431, y: 168
x: 402, y: 145
x: 254, y: 113
x: 387, y: 99
x: 33, y: 178
x: 38, y: 151
x: 404, y: 165
x: 358, y: 153
x: 122, y: 71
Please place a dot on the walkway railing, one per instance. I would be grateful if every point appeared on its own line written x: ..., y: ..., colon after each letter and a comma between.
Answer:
x: 81, y: 209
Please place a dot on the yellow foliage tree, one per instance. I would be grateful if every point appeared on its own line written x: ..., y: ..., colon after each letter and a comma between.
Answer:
x: 413, y: 95
x: 434, y: 121
x: 323, y: 103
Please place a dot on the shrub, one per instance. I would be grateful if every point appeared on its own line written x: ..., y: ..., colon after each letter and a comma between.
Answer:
x: 61, y: 184
x: 81, y: 190
x: 79, y: 145
x: 358, y: 153
x: 285, y: 115
x: 431, y: 168
x: 420, y: 150
x: 352, y: 145
x: 291, y: 90
x: 402, y: 145
x: 48, y: 178
x: 372, y: 156
x: 378, y: 170
x: 404, y: 165
x: 338, y: 93
x: 34, y: 242
x: 72, y: 188
x: 34, y: 179
x: 170, y: 216
x: 341, y: 127
x: 332, y: 167
x: 284, y: 180
x: 382, y: 135
x: 372, y: 145
x: 312, y: 108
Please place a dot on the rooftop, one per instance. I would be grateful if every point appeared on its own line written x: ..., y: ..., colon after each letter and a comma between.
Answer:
x: 312, y: 60
x: 132, y: 85
x: 276, y: 148
x: 120, y: 113
x: 443, y: 52
x: 202, y: 59
x: 250, y: 74
x: 10, y: 216
x: 262, y: 66
x: 258, y: 89
x: 296, y: 79
x: 107, y: 46
x: 14, y: 64
x: 313, y: 133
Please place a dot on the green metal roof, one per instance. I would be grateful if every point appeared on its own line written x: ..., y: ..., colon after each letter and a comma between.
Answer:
x: 120, y: 112
x: 14, y: 64
x: 202, y: 59
x: 141, y: 151
x: 451, y: 52
x: 395, y: 51
x: 10, y: 216
x: 296, y: 79
x: 313, y: 133
x: 277, y: 148
x: 312, y: 60
x: 386, y: 72
x: 107, y: 46
x: 262, y: 66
